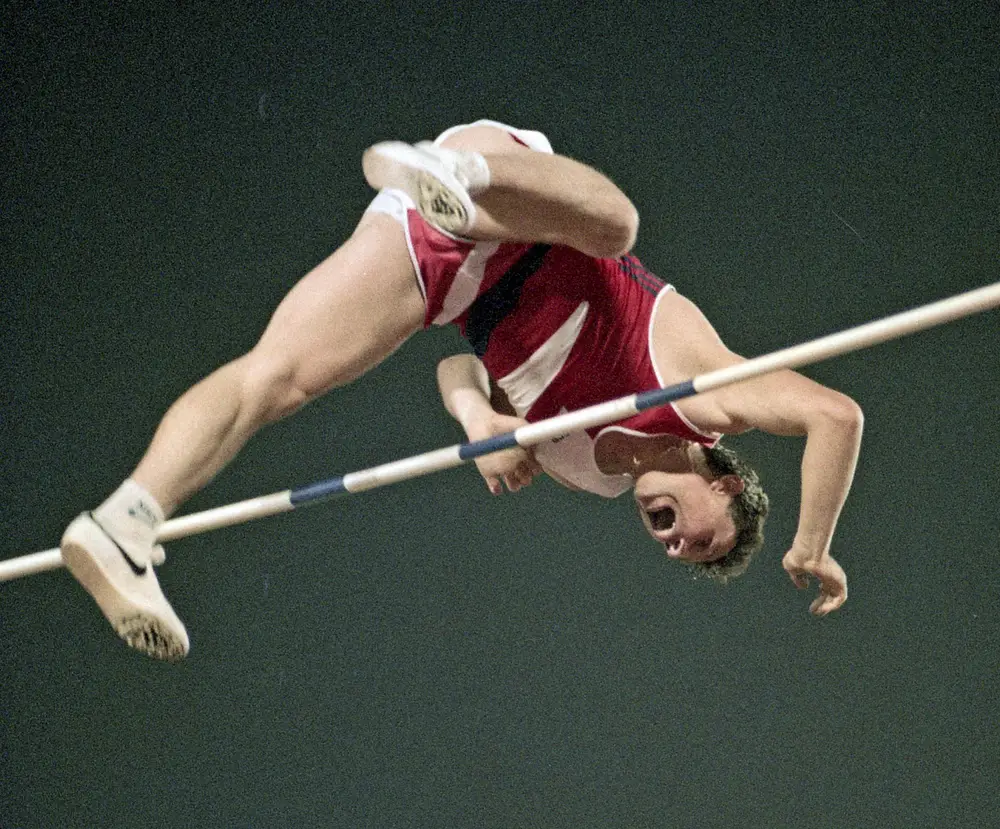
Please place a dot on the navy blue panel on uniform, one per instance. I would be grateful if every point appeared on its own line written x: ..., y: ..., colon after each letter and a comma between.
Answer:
x: 494, y: 305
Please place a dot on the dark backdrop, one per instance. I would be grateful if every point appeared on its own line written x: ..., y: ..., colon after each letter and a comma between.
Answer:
x: 426, y: 655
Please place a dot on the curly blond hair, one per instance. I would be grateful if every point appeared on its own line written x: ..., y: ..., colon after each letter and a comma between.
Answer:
x: 748, y: 510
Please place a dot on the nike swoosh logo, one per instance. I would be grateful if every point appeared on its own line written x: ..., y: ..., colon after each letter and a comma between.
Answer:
x: 137, y: 569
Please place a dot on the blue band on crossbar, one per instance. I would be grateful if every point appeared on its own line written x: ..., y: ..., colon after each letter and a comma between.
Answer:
x: 657, y: 397
x: 317, y: 491
x: 478, y: 448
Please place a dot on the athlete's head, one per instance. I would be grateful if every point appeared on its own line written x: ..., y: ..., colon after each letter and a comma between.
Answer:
x: 709, y: 514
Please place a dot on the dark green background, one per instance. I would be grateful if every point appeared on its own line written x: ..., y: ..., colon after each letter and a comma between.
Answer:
x: 426, y: 655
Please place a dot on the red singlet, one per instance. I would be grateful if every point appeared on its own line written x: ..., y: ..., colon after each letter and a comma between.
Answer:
x: 556, y: 329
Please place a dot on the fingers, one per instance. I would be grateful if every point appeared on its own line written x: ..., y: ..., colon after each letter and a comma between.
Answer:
x: 799, y: 579
x: 826, y: 603
x: 514, y: 480
x: 520, y: 477
x: 829, y: 574
x: 528, y: 471
x: 832, y: 595
x: 513, y: 468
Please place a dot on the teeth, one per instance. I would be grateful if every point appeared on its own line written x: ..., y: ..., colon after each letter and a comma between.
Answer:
x: 674, y: 547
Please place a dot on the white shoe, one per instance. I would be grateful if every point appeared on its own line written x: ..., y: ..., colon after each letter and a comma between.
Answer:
x: 125, y: 588
x: 437, y: 179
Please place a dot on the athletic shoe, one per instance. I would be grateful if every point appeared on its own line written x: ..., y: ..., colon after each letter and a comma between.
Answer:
x: 125, y: 588
x: 437, y: 179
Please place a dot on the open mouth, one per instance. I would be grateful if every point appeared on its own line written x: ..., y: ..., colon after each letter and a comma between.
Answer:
x: 661, y: 519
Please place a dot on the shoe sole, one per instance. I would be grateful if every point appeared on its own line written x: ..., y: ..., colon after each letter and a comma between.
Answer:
x: 434, y: 191
x: 140, y: 630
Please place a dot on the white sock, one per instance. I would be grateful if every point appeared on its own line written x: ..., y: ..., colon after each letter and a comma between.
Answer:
x: 468, y: 166
x: 133, y: 516
x: 476, y: 171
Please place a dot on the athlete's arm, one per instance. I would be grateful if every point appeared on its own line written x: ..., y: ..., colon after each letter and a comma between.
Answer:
x: 787, y: 403
x: 465, y: 390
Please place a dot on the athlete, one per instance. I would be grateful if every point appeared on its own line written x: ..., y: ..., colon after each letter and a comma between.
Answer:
x: 528, y: 252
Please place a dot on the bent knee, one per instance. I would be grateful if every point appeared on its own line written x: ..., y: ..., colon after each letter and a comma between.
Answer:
x: 621, y: 232
x: 615, y: 234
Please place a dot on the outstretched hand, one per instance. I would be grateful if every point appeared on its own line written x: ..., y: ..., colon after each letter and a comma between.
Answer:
x: 802, y: 565
x: 514, y: 467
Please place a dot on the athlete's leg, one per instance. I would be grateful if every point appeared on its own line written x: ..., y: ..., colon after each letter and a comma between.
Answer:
x: 519, y: 194
x: 345, y: 316
x: 539, y: 197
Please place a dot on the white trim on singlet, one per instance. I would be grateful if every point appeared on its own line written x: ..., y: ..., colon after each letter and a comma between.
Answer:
x: 395, y: 203
x: 656, y: 370
x: 525, y: 384
x: 571, y: 461
x: 465, y: 286
x: 649, y: 333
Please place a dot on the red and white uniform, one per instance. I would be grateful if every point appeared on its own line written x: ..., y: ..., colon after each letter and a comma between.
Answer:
x: 572, y: 332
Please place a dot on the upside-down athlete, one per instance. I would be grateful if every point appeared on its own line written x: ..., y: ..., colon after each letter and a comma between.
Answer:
x: 528, y: 253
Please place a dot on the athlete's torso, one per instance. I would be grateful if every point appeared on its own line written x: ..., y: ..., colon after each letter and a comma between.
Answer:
x: 556, y: 329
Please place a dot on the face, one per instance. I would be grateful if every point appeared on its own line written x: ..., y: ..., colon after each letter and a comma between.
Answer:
x: 688, y: 512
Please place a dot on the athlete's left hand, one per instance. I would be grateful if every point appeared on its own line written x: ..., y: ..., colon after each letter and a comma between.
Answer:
x: 514, y: 467
x: 801, y: 564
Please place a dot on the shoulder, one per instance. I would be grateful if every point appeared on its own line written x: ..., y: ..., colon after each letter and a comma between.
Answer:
x: 684, y: 342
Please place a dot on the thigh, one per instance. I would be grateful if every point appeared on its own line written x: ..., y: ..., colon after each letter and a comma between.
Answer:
x: 350, y: 312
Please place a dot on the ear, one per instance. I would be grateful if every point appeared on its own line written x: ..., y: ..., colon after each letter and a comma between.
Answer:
x: 728, y: 484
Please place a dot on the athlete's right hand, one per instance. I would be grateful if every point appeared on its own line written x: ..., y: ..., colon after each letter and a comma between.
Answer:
x: 514, y: 467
